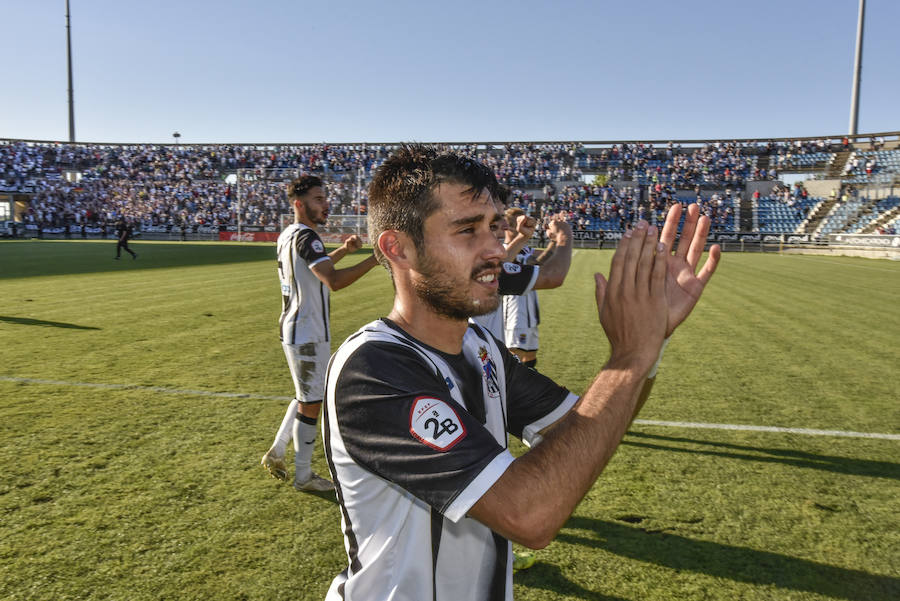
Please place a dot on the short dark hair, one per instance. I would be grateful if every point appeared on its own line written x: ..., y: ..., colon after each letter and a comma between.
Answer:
x: 401, y: 193
x: 503, y: 193
x: 302, y: 185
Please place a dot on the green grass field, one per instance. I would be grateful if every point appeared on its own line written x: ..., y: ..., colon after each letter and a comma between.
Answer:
x: 136, y: 398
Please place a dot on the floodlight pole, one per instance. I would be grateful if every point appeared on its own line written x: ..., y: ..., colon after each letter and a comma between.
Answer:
x: 71, y: 93
x: 359, y: 178
x: 239, y: 205
x: 857, y: 70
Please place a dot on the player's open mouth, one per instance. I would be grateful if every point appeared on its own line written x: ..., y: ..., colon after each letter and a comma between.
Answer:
x: 488, y: 279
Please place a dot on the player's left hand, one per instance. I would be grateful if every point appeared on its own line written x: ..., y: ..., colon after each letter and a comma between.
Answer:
x: 353, y: 243
x: 684, y: 284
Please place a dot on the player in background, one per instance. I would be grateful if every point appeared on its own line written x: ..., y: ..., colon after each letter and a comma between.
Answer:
x: 521, y: 279
x: 124, y: 231
x: 307, y: 275
x: 521, y: 314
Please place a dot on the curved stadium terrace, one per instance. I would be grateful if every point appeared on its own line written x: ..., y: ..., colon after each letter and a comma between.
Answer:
x: 811, y: 187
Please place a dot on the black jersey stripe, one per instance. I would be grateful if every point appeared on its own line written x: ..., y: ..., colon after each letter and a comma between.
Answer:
x: 326, y: 307
x: 437, y: 528
x: 352, y: 543
x: 295, y: 289
x: 340, y: 589
x: 284, y: 303
x: 498, y: 581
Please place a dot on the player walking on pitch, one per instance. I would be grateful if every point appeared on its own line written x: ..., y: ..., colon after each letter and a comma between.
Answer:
x: 124, y: 231
x: 307, y: 274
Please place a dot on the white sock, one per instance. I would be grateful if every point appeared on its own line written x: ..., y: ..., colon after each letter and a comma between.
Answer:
x: 283, y: 437
x: 304, y: 441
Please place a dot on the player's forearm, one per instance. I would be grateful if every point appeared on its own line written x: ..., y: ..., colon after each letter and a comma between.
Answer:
x: 338, y: 254
x: 546, y: 253
x: 553, y: 270
x: 539, y: 491
x: 346, y: 276
x: 515, y: 246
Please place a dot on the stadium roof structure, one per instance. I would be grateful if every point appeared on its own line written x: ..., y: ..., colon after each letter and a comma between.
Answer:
x: 888, y: 136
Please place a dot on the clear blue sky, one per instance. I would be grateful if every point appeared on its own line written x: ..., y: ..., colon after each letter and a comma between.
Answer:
x: 293, y: 71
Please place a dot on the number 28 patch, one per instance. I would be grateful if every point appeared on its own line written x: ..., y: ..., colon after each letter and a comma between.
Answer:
x: 435, y: 423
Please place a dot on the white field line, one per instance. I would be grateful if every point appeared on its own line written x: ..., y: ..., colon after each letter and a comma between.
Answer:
x: 803, y: 431
x: 644, y: 422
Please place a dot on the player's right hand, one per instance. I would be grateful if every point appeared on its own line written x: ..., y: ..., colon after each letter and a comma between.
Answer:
x: 525, y: 225
x: 632, y: 304
x: 353, y: 243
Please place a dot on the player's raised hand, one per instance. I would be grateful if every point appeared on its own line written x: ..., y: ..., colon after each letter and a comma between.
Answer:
x: 559, y: 225
x: 632, y: 304
x: 353, y: 243
x: 525, y: 225
x: 684, y: 284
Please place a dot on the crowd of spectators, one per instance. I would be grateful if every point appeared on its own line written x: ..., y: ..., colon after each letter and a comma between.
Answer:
x: 607, y: 207
x: 195, y: 185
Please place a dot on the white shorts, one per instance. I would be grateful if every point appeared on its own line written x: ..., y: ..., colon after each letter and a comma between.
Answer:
x: 308, y: 363
x: 524, y: 339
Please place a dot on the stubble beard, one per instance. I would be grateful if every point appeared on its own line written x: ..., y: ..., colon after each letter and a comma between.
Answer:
x: 447, y: 297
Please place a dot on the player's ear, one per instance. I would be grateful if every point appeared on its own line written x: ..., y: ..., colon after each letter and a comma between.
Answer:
x: 396, y: 248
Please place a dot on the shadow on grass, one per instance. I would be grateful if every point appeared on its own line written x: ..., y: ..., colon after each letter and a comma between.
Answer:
x: 27, y: 321
x: 802, y: 459
x: 326, y: 495
x: 549, y: 577
x: 63, y: 257
x: 728, y: 562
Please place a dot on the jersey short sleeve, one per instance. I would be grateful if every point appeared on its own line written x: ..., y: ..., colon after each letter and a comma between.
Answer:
x: 517, y: 279
x: 397, y: 419
x: 310, y: 247
x: 533, y: 400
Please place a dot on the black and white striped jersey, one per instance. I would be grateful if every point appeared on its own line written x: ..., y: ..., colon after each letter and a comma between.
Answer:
x: 515, y: 279
x: 414, y: 437
x: 304, y: 298
x: 521, y: 312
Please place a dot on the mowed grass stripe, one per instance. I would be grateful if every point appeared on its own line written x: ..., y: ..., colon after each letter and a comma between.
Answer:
x: 143, y: 494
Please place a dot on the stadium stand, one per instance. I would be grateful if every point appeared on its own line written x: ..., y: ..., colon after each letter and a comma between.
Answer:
x: 777, y: 216
x: 599, y: 186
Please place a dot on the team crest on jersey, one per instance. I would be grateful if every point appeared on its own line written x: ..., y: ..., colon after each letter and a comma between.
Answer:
x: 317, y: 246
x: 490, y: 373
x: 512, y: 268
x: 435, y: 423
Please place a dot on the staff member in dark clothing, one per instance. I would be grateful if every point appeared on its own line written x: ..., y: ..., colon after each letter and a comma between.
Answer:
x: 124, y: 231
